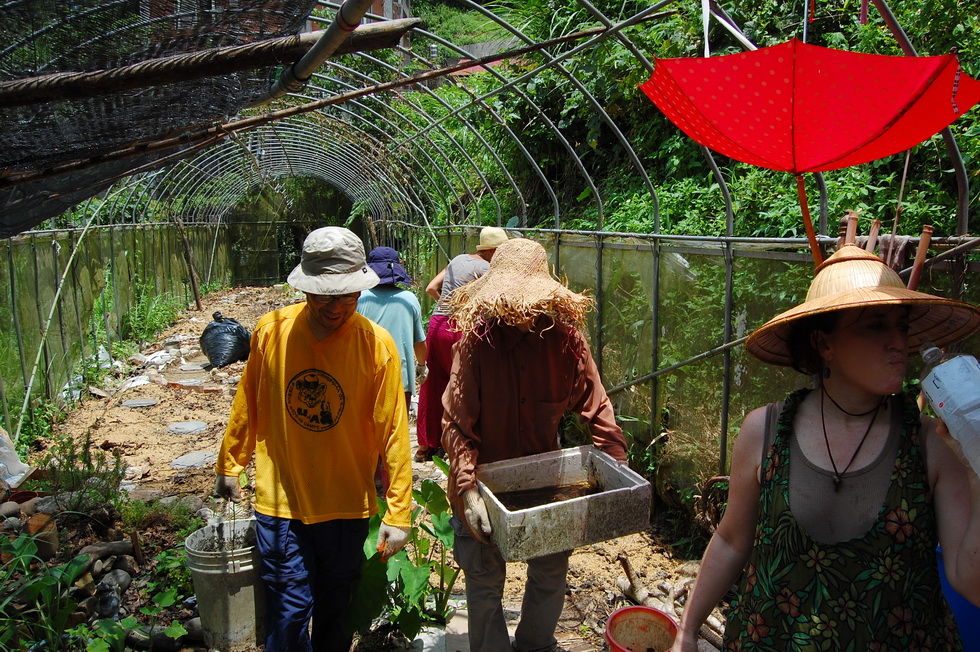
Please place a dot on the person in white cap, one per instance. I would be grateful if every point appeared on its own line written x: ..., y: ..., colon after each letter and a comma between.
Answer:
x: 442, y: 335
x: 320, y: 400
x: 839, y: 494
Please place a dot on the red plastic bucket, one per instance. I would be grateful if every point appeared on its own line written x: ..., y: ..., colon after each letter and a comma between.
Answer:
x: 640, y: 629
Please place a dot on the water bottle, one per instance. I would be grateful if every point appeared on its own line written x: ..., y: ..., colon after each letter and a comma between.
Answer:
x: 952, y: 385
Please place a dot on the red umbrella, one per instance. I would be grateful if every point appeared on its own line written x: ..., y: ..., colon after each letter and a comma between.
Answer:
x: 803, y: 108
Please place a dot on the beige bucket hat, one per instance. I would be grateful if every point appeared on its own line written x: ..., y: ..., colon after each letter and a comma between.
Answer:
x: 491, y: 237
x: 517, y: 288
x: 332, y: 262
x: 855, y: 278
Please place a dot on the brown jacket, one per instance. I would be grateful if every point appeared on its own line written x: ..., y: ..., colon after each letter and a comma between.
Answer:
x: 507, y: 393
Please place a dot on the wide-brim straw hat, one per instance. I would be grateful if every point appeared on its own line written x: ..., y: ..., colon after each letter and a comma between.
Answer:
x: 516, y: 289
x: 332, y: 262
x: 855, y: 278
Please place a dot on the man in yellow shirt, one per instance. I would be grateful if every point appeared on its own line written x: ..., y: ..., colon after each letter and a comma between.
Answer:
x: 320, y: 399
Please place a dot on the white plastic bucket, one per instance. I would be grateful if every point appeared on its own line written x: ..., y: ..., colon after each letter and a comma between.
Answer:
x: 224, y: 565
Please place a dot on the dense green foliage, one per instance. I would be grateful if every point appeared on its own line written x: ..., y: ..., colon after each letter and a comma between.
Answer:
x: 456, y: 24
x: 765, y: 202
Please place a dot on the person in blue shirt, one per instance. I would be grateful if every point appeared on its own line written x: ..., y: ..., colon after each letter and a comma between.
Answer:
x: 398, y: 311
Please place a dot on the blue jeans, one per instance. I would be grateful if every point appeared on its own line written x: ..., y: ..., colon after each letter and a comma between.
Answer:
x: 309, y: 573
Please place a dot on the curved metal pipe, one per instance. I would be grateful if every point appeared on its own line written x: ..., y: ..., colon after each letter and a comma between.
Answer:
x: 294, y: 77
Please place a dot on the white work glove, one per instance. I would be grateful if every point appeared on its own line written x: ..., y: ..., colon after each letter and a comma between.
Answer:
x: 421, y: 373
x: 226, y: 486
x: 391, y: 539
x: 475, y: 512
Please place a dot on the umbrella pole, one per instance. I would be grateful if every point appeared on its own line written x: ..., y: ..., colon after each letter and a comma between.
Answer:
x: 807, y: 222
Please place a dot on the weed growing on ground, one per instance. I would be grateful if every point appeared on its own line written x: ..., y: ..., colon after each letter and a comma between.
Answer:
x: 85, y: 477
x: 38, y: 422
x: 169, y: 564
x: 211, y: 287
x: 150, y: 313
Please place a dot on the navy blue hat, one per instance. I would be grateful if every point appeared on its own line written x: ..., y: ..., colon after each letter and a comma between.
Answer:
x: 384, y: 262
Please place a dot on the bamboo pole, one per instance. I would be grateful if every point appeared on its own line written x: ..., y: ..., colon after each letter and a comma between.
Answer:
x: 14, y: 312
x: 294, y: 77
x: 873, y: 236
x: 920, y: 256
x: 852, y: 224
x: 43, y: 343
x: 76, y: 302
x: 189, y: 257
x: 3, y: 401
x: 29, y: 384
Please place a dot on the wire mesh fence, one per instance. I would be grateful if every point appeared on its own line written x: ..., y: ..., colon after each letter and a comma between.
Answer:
x: 671, y: 311
x: 72, y: 296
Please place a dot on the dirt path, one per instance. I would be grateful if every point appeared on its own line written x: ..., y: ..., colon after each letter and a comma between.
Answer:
x: 179, y: 396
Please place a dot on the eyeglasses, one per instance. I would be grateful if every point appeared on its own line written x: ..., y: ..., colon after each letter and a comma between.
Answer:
x: 327, y: 299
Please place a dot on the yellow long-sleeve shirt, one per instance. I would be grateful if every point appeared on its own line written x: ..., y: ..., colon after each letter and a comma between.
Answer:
x: 316, y: 414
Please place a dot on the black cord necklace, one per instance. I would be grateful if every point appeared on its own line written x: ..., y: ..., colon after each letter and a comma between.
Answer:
x: 850, y: 414
x: 837, y: 474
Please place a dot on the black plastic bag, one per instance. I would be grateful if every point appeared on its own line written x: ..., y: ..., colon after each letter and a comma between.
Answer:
x: 224, y: 341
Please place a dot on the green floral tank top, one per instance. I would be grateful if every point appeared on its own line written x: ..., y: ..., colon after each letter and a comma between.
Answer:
x: 879, y: 591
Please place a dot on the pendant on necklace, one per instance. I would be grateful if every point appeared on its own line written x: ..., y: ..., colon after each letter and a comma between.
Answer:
x: 837, y: 481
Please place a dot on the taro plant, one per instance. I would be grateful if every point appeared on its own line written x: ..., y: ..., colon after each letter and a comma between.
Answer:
x: 403, y: 590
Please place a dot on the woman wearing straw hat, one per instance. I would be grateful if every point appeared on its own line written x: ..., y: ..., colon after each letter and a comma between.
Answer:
x: 442, y: 335
x: 839, y: 495
x: 521, y: 364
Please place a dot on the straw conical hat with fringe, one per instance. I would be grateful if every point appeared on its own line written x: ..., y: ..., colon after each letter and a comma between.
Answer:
x: 855, y: 278
x: 517, y: 288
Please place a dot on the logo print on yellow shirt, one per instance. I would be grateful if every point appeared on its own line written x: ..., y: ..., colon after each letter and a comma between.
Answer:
x: 314, y: 400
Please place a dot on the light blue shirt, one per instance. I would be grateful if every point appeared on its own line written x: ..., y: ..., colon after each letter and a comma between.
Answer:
x: 400, y: 313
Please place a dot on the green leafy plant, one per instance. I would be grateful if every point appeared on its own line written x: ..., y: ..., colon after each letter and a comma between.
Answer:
x: 177, y: 516
x: 150, y: 312
x: 105, y: 635
x: 169, y: 567
x: 34, y: 601
x: 161, y: 602
x: 83, y: 475
x: 210, y: 287
x: 39, y: 420
x: 414, y: 586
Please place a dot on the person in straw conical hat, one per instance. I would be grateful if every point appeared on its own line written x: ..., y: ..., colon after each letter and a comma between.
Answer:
x: 521, y: 364
x: 840, y: 494
x: 443, y: 334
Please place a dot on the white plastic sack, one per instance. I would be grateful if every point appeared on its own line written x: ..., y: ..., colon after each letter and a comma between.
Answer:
x: 11, y: 468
